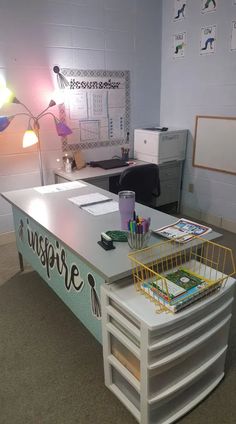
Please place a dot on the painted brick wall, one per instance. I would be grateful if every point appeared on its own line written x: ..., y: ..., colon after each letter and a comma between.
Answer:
x: 201, y: 85
x: 82, y: 34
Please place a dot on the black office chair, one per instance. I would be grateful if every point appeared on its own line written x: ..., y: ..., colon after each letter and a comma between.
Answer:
x: 144, y: 180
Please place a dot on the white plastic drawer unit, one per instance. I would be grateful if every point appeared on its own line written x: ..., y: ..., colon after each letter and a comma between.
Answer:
x: 161, y: 365
x: 159, y: 147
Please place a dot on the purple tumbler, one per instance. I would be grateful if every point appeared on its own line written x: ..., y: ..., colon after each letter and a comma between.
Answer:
x: 126, y: 207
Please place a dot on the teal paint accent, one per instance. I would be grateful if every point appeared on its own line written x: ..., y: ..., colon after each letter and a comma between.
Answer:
x: 70, y: 278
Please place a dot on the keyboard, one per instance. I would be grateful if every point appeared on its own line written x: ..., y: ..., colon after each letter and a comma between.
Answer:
x: 109, y: 163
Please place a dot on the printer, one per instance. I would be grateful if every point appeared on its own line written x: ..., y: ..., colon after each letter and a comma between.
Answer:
x: 159, y: 144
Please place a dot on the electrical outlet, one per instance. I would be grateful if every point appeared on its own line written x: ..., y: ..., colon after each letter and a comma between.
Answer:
x: 191, y: 188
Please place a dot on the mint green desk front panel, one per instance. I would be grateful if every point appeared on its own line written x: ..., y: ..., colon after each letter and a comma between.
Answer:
x: 69, y: 277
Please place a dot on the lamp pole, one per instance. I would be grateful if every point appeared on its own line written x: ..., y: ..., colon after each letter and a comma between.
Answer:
x: 36, y: 130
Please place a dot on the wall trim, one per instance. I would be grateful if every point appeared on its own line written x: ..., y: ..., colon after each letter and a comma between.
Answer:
x: 217, y: 221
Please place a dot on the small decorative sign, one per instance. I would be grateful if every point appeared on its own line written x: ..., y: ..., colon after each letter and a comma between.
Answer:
x: 179, y: 43
x: 233, y: 36
x: 180, y: 10
x: 208, y: 40
x: 209, y: 6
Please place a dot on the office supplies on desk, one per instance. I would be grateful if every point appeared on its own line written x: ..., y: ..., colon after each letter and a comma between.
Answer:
x: 106, y: 242
x: 109, y: 163
x: 124, y: 153
x: 89, y: 199
x: 54, y: 188
x: 139, y: 232
x: 102, y: 208
x: 95, y: 203
x: 117, y: 235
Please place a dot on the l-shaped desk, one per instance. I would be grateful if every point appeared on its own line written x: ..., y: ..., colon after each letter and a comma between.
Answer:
x: 170, y: 174
x: 180, y: 357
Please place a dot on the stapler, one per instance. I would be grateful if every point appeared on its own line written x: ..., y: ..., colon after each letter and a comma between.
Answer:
x: 106, y: 242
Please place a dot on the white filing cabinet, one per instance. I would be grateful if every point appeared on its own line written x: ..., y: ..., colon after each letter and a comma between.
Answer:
x: 170, y: 174
x: 161, y: 365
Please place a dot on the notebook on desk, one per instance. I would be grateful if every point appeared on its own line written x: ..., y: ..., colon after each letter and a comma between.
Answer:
x: 109, y: 163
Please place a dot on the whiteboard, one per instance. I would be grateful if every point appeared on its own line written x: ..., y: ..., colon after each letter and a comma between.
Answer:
x: 215, y: 143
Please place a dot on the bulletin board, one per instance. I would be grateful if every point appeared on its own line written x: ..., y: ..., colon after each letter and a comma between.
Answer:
x: 96, y: 107
x: 215, y: 143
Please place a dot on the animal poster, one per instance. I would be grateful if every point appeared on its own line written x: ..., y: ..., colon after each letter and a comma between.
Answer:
x: 179, y: 43
x: 208, y: 40
x: 179, y: 10
x: 209, y: 6
x: 233, y: 36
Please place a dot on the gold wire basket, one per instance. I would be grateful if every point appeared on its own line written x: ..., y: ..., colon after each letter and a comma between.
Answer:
x: 174, y: 276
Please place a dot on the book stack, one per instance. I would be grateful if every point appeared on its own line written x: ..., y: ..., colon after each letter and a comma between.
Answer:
x: 179, y: 288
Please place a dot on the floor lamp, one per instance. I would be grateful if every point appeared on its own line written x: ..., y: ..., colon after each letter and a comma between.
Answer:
x: 31, y: 135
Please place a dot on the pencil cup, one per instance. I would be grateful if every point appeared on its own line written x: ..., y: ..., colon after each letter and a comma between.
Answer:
x: 125, y: 156
x: 126, y: 207
x: 138, y: 241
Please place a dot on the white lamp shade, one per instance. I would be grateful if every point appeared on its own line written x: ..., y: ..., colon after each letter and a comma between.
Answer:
x: 5, y: 95
x: 30, y: 138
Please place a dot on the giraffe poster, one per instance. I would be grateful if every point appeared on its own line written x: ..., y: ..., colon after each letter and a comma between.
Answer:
x: 209, y: 6
x: 233, y: 36
x: 179, y: 43
x: 180, y: 9
x: 208, y: 40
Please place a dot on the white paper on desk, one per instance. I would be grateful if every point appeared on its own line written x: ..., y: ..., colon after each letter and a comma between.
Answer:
x: 102, y: 208
x: 88, y: 198
x: 53, y: 188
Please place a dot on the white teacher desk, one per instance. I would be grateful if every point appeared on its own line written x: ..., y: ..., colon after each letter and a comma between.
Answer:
x: 180, y: 357
x: 170, y: 174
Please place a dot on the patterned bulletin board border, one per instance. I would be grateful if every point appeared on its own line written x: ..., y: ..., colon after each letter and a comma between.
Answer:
x: 102, y: 77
